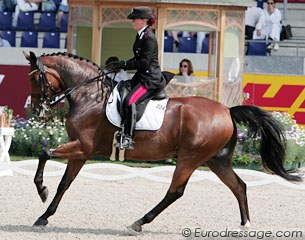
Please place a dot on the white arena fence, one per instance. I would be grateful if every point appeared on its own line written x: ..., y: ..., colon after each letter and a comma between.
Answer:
x: 161, y: 174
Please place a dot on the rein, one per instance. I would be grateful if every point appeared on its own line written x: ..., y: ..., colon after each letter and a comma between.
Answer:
x: 68, y: 91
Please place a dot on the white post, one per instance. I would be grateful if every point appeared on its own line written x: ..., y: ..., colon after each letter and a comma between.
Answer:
x: 6, y: 135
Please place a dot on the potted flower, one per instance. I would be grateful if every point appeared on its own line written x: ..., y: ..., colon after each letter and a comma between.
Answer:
x: 6, y: 115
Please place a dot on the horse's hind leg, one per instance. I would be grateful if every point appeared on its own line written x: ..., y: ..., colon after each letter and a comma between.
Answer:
x: 71, y: 172
x: 221, y: 166
x: 176, y: 190
x: 38, y: 180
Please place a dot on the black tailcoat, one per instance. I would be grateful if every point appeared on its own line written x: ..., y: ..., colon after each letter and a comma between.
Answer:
x: 145, y: 61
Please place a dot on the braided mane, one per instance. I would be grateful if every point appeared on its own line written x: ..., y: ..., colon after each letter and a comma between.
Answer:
x: 70, y: 55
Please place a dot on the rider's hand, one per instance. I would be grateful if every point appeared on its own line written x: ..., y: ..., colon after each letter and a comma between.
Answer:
x: 120, y: 65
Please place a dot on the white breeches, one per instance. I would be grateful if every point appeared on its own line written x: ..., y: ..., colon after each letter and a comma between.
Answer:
x: 273, y: 31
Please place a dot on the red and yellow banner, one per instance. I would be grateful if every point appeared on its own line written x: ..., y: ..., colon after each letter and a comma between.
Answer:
x: 277, y: 93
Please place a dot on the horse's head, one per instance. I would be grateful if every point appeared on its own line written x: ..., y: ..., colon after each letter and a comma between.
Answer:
x: 56, y: 76
x: 45, y: 83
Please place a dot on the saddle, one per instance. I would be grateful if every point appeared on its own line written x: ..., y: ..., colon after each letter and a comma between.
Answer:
x: 124, y: 89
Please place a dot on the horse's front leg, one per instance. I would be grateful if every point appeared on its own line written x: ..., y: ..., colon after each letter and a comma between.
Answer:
x: 38, y: 179
x: 70, y: 150
x: 71, y: 172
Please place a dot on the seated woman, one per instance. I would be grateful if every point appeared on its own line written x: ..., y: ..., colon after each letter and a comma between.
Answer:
x: 269, y: 24
x: 186, y: 69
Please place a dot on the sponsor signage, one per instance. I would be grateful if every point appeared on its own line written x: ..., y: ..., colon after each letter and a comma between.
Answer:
x: 15, y: 88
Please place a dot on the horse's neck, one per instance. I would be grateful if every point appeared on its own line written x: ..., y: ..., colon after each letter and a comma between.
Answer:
x: 88, y: 95
x: 74, y: 71
x: 79, y: 72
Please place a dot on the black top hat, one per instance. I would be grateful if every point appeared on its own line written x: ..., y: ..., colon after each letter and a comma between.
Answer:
x: 141, y: 13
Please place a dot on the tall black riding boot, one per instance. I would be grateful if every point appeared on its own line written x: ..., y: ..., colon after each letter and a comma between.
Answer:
x: 129, y: 127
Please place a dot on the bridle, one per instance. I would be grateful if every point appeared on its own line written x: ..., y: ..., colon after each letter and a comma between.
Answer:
x: 47, y: 101
x: 44, y: 98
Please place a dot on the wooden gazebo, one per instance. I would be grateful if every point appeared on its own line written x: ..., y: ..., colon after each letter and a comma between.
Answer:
x: 102, y: 29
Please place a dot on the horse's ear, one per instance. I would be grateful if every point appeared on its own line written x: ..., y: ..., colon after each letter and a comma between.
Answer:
x: 30, y: 57
x: 26, y: 55
x: 33, y: 57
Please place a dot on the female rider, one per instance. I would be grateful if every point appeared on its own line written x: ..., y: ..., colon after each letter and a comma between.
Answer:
x: 147, y: 79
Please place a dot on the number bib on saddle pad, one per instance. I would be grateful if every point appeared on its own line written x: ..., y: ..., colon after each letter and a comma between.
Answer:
x: 152, y: 118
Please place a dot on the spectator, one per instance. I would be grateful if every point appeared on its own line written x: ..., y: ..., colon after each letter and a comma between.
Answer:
x: 200, y: 37
x: 251, y: 19
x: 119, y: 76
x: 269, y: 24
x: 2, y: 8
x: 9, y: 5
x: 174, y: 34
x: 48, y: 6
x: 186, y: 69
x: 177, y: 34
x: 4, y: 42
x: 62, y: 9
x: 25, y: 6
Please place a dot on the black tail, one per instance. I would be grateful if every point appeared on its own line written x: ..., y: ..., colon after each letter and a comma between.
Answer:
x: 272, y: 138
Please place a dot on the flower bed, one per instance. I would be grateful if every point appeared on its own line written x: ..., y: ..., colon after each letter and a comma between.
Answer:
x: 32, y: 135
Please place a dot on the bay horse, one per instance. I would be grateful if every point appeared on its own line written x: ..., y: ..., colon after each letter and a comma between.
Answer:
x: 195, y: 130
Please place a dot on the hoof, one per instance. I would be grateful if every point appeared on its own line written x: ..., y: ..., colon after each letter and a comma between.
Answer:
x: 245, y: 227
x: 135, y: 228
x: 44, y: 194
x: 132, y: 232
x: 41, y: 222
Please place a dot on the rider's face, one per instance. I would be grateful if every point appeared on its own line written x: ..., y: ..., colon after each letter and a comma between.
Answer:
x: 138, y: 24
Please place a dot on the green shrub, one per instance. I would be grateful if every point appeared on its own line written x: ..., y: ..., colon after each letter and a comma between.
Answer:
x: 33, y: 135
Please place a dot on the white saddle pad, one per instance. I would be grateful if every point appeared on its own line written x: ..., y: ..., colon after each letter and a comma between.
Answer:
x: 152, y: 118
